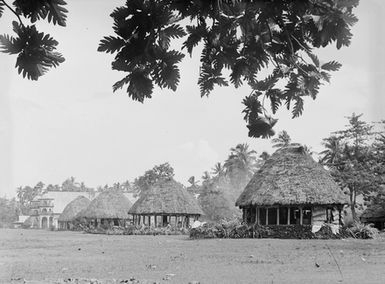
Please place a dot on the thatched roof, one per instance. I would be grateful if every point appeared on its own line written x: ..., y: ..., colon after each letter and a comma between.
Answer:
x: 107, y: 205
x: 291, y: 177
x: 73, y: 208
x: 373, y: 212
x: 166, y: 198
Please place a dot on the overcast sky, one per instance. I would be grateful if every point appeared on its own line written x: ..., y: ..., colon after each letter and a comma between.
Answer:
x: 69, y: 123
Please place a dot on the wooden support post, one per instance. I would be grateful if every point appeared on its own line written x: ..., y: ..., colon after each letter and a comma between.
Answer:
x: 288, y: 215
x: 155, y: 221
x: 257, y: 215
x: 311, y: 215
x: 277, y: 215
x: 267, y: 216
x: 246, y: 215
x: 300, y: 216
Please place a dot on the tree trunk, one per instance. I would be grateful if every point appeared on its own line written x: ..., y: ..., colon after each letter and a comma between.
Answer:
x: 353, y: 203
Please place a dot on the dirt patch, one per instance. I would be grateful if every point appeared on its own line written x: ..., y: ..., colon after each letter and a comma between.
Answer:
x: 50, y: 256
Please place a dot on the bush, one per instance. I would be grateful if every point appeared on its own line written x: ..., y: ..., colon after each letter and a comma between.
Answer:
x: 326, y: 232
x: 207, y: 231
x: 233, y: 228
x: 363, y: 231
x: 237, y: 229
x: 136, y: 230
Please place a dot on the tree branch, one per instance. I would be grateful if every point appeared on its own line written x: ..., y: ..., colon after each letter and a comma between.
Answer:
x: 271, y: 42
x: 13, y: 11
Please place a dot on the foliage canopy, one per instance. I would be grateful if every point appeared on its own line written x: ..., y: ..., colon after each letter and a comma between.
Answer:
x: 355, y: 157
x: 239, y: 40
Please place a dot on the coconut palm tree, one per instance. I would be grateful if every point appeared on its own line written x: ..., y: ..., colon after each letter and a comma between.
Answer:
x: 308, y: 149
x: 333, y: 150
x: 206, y: 176
x: 218, y: 169
x: 241, y: 159
x: 82, y: 186
x: 193, y: 182
x: 126, y: 186
x: 264, y: 156
x: 282, y: 140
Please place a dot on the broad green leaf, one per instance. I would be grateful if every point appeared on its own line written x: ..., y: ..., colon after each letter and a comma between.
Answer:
x: 331, y: 66
x: 298, y: 107
x: 1, y: 8
x: 8, y: 45
x: 111, y: 44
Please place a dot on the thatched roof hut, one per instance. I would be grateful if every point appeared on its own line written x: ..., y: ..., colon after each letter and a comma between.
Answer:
x: 290, y: 178
x: 73, y: 208
x: 166, y: 199
x: 107, y: 205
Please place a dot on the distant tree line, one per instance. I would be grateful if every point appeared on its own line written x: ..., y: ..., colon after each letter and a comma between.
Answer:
x: 25, y: 194
x: 355, y: 156
x: 9, y: 211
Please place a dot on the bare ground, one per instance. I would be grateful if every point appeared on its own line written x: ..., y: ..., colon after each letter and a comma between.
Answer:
x: 49, y: 256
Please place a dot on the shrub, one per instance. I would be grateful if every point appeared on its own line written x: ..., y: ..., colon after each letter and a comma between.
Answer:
x: 236, y: 229
x: 326, y: 232
x: 363, y: 231
x: 232, y: 228
x: 136, y: 230
x: 207, y: 231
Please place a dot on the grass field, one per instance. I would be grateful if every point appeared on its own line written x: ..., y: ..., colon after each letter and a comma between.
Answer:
x: 48, y: 256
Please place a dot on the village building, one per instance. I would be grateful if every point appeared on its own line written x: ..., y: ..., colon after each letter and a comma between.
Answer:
x: 69, y: 213
x: 109, y: 208
x: 374, y: 214
x: 292, y: 189
x: 46, y: 208
x: 167, y: 203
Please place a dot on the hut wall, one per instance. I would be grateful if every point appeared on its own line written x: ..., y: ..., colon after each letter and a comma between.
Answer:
x: 319, y: 218
x: 336, y: 216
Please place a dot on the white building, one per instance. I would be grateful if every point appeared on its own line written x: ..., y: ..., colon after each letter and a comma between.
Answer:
x: 47, y: 207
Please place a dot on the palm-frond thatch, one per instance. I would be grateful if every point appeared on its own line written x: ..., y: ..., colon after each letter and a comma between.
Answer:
x: 107, y: 205
x: 73, y: 208
x: 166, y: 198
x: 291, y: 177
